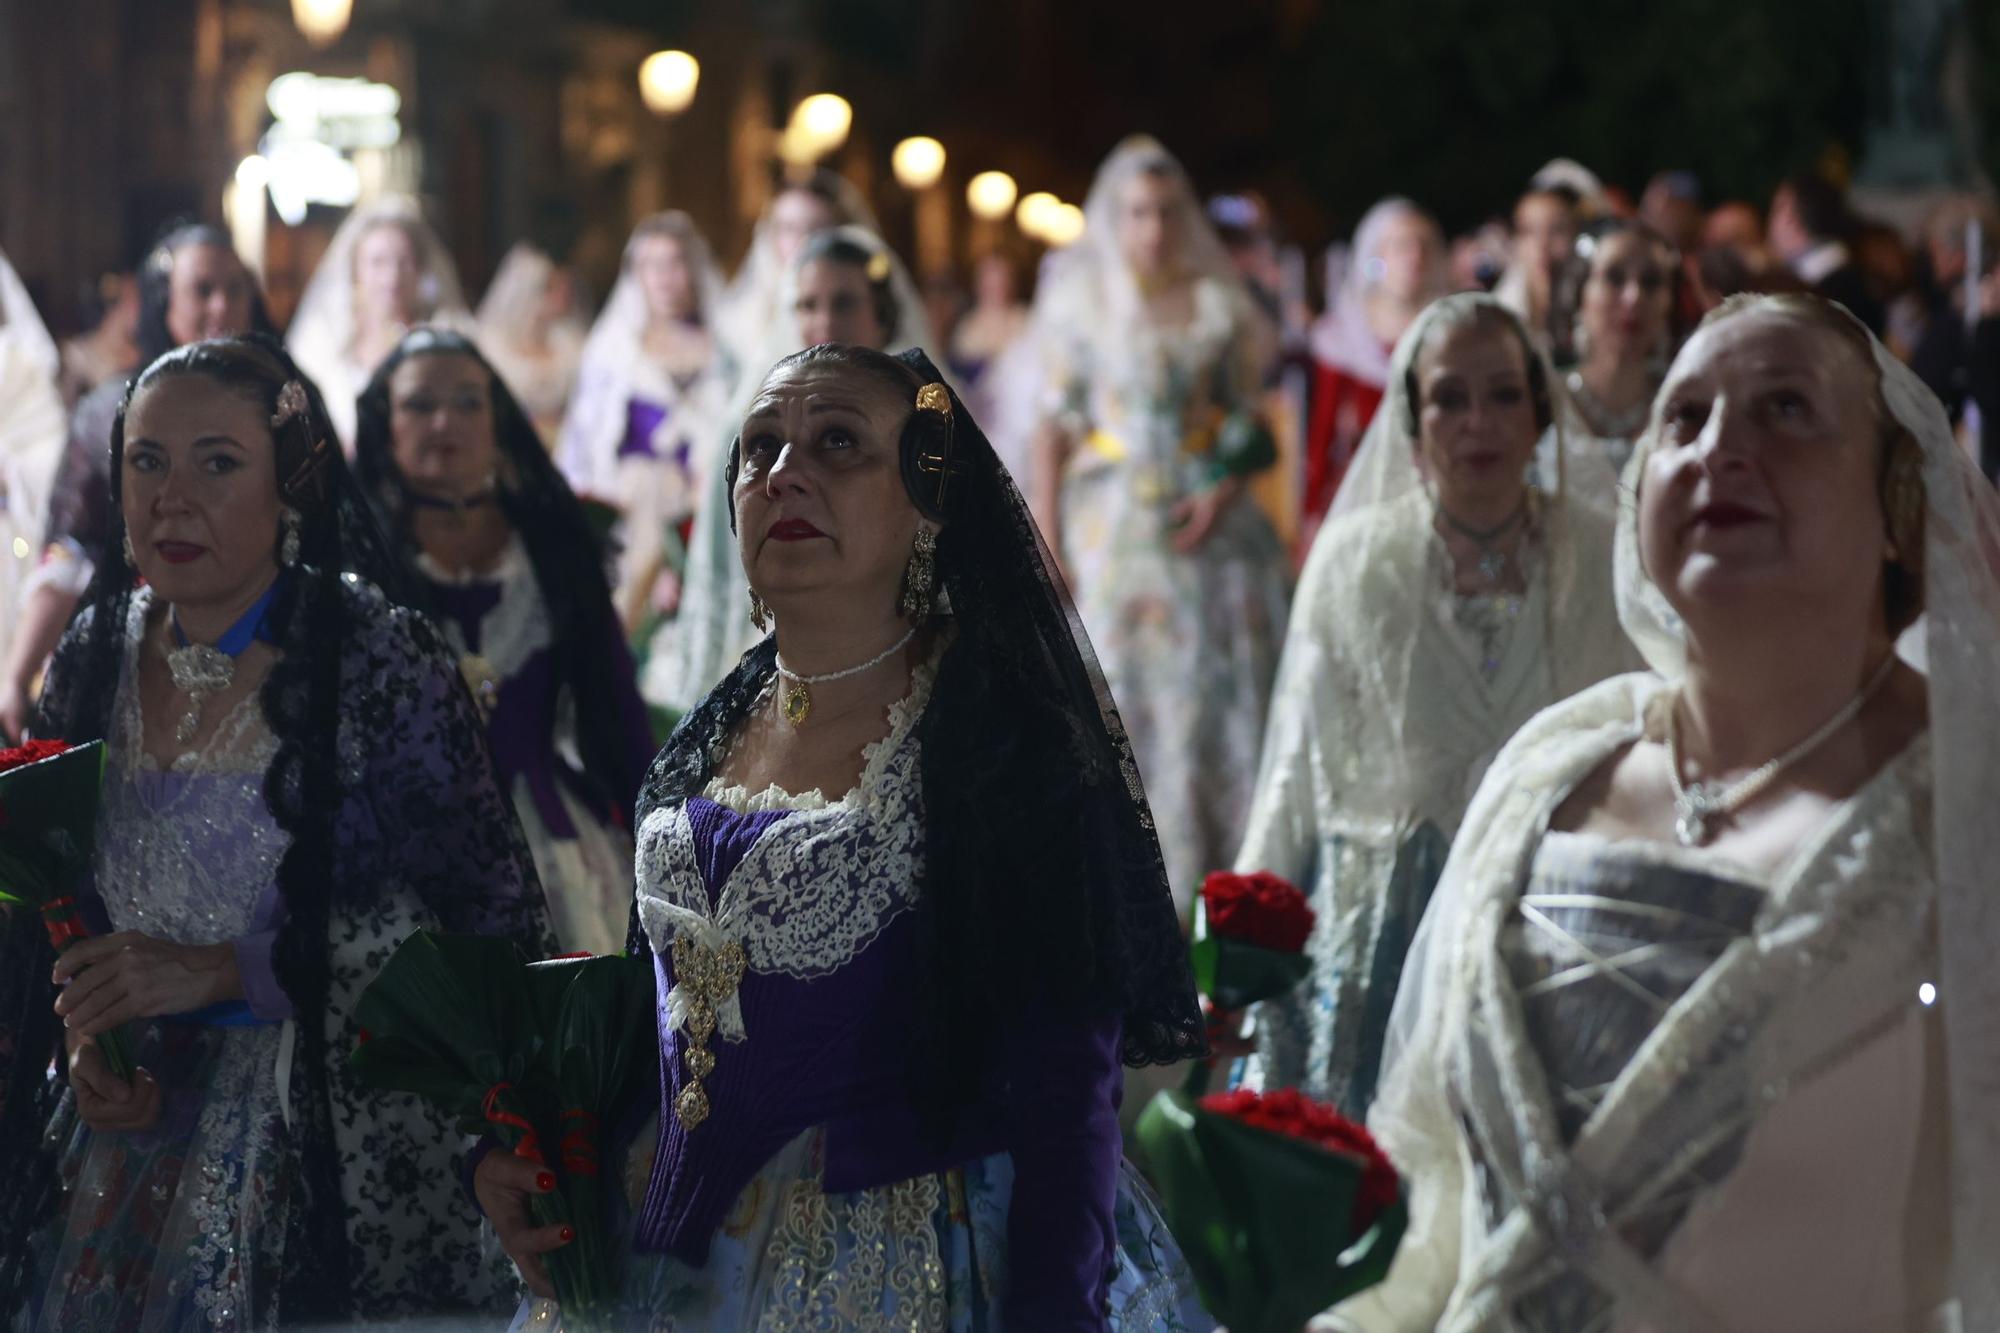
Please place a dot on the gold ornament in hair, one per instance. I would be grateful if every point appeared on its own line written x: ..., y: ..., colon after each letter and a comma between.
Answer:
x: 878, y: 267
x: 934, y: 398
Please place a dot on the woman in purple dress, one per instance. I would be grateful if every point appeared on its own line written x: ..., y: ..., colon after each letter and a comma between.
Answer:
x: 907, y: 912
x: 295, y: 780
x: 499, y: 553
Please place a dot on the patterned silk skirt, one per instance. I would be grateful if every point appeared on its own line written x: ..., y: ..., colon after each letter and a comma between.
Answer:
x: 929, y: 1253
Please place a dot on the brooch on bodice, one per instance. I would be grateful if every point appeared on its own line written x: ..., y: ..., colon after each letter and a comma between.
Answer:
x: 708, y: 977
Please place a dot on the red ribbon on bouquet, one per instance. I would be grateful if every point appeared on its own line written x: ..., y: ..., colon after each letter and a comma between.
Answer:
x: 529, y: 1147
x: 579, y: 1145
x: 64, y: 922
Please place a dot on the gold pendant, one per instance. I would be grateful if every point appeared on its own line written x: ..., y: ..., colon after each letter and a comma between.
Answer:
x: 798, y: 701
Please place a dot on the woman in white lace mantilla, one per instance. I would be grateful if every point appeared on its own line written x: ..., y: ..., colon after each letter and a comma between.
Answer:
x: 892, y: 1021
x: 846, y: 286
x: 294, y: 781
x: 1700, y: 1030
x: 1148, y: 442
x: 384, y: 273
x: 532, y: 323
x: 1613, y: 320
x: 754, y: 308
x: 1447, y: 601
x: 32, y: 433
x: 646, y: 425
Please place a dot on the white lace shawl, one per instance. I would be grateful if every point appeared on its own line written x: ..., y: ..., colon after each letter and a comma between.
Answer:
x: 1858, y: 863
x: 816, y: 888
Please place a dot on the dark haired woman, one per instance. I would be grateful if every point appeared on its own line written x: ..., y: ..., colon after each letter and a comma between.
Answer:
x: 192, y: 286
x: 1446, y: 602
x: 498, y: 551
x: 1613, y: 320
x: 907, y: 912
x: 295, y: 780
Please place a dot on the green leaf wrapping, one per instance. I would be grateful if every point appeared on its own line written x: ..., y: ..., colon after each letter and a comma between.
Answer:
x: 1264, y: 1219
x: 544, y: 1055
x: 48, y: 829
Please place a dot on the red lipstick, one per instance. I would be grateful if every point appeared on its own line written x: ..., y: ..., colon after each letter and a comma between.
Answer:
x: 179, y: 553
x: 793, y: 530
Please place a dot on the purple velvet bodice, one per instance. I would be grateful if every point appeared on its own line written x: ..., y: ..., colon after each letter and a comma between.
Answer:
x: 831, y: 1052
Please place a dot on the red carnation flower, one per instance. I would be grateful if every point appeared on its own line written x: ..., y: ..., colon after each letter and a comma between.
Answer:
x: 1260, y: 908
x: 32, y: 752
x: 1290, y: 1112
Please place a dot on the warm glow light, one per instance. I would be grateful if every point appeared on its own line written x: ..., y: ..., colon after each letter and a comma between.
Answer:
x: 918, y: 162
x: 1063, y: 225
x: 820, y: 124
x: 667, y: 81
x: 322, y: 21
x: 990, y: 195
x: 1035, y: 212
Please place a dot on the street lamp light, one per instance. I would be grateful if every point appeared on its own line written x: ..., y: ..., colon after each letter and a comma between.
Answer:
x: 918, y: 162
x: 322, y: 21
x: 990, y: 195
x: 667, y: 81
x: 820, y: 123
x: 1036, y: 214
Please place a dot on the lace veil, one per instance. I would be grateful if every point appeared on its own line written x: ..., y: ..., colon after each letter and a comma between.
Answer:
x: 321, y: 335
x: 1959, y: 636
x: 612, y: 353
x: 1044, y: 892
x: 713, y: 628
x: 754, y: 300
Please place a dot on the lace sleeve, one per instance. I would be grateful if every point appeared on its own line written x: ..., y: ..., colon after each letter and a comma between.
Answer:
x: 448, y: 832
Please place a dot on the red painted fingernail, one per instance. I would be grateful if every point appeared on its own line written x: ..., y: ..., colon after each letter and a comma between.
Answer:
x: 546, y: 1181
x: 568, y: 1235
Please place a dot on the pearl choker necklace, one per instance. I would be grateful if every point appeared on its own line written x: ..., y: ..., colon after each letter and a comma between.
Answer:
x: 798, y: 700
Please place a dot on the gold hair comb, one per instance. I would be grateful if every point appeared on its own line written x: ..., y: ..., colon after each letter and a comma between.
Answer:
x: 878, y: 267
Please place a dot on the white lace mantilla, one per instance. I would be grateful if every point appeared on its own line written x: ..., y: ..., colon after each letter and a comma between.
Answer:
x: 816, y: 888
x: 517, y: 627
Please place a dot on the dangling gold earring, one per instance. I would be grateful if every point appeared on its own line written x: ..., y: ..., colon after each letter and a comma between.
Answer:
x: 288, y: 548
x: 919, y: 577
x: 760, y: 614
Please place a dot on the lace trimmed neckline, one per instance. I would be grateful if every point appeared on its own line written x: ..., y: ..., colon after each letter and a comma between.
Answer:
x: 903, y: 715
x: 240, y: 743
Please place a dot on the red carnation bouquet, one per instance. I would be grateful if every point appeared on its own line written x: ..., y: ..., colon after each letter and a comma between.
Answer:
x: 49, y: 794
x: 1282, y: 1206
x: 1250, y: 935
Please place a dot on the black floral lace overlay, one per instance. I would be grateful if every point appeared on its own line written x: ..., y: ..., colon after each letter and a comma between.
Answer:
x: 1043, y: 888
x: 384, y: 785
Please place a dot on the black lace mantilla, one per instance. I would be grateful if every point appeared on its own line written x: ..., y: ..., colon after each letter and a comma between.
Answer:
x: 383, y: 782
x: 1043, y: 885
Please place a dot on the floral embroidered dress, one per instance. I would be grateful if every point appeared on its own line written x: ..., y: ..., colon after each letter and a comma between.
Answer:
x: 785, y: 1182
x: 190, y: 1225
x: 1188, y: 642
